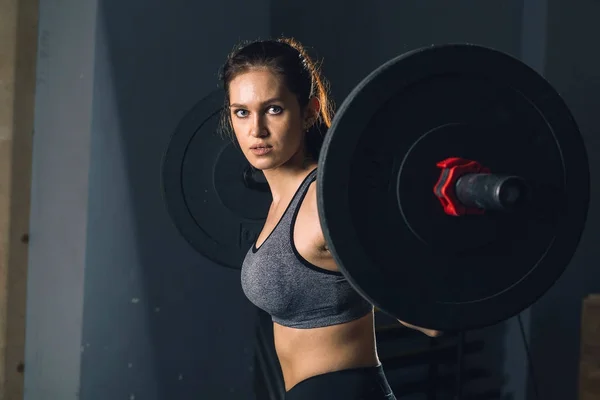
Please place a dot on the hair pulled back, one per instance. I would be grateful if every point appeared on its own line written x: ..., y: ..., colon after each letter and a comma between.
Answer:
x: 289, y: 59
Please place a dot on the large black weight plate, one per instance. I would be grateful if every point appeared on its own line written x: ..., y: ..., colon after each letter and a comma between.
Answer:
x: 205, y: 191
x: 386, y: 228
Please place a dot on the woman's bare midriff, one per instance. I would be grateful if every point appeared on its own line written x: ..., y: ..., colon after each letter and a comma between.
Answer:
x: 304, y: 353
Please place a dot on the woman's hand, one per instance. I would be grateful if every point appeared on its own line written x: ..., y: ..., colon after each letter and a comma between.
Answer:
x: 428, y: 332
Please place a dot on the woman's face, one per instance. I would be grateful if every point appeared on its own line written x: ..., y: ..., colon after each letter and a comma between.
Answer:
x: 266, y: 119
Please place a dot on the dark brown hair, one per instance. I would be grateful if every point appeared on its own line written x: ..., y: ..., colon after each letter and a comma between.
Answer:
x: 289, y: 59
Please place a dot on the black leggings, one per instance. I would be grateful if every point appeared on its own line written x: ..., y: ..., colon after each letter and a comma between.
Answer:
x: 367, y: 383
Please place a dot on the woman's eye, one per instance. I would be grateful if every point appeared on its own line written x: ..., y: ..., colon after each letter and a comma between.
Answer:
x: 241, y: 113
x: 275, y: 110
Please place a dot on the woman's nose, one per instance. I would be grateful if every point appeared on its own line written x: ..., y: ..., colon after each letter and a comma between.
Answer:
x: 258, y: 128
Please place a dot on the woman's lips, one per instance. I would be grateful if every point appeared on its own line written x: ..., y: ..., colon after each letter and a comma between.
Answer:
x: 260, y: 150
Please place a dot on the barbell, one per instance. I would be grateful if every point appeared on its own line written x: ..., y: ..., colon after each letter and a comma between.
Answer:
x: 452, y: 188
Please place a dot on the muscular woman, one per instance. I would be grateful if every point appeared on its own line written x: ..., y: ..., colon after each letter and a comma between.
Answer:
x: 277, y: 109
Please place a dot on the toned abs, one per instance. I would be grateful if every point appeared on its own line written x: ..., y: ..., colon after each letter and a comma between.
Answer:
x: 304, y: 353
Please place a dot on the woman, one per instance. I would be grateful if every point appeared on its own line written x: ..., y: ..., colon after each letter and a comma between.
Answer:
x: 278, y: 111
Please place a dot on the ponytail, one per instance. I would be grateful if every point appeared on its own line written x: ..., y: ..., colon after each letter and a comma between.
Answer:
x: 319, y: 85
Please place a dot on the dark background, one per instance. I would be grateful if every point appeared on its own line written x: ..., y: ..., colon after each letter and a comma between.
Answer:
x: 119, y: 306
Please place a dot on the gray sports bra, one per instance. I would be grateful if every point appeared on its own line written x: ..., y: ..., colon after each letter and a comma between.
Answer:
x: 296, y: 293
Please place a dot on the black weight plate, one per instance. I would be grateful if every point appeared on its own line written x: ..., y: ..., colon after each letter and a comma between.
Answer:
x: 386, y: 228
x: 204, y: 187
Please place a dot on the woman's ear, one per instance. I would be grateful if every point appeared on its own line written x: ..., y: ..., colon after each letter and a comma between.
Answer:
x: 314, y: 105
x: 311, y: 114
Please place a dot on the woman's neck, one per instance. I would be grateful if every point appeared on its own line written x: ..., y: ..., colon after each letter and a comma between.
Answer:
x: 284, y: 180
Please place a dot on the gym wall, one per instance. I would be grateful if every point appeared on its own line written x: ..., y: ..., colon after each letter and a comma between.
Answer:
x: 118, y: 305
x: 573, y: 67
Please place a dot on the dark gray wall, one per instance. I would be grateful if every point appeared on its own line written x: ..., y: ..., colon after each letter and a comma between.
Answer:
x: 353, y: 40
x: 59, y: 193
x: 573, y: 66
x: 119, y: 306
x: 160, y: 321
